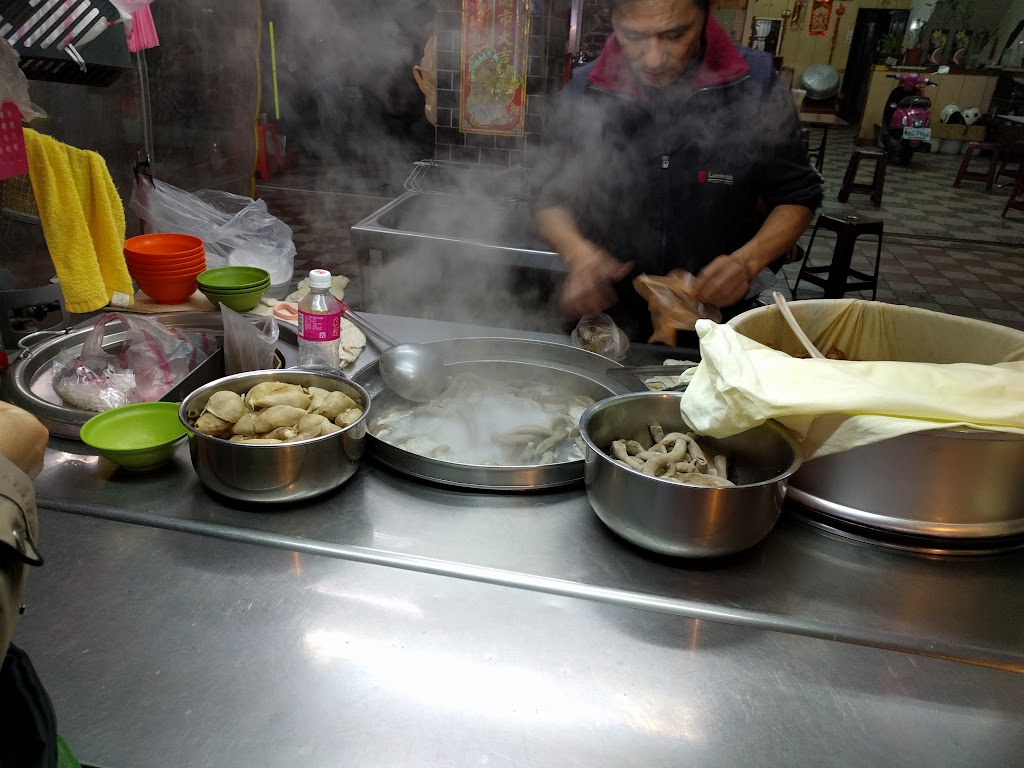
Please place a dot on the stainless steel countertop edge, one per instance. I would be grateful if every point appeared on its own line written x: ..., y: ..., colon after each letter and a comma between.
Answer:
x: 750, y: 619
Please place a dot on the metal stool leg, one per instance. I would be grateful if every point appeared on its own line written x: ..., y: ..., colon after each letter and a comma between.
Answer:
x: 807, y: 255
x: 878, y: 262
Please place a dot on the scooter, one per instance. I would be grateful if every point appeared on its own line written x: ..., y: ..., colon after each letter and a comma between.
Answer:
x: 906, y: 119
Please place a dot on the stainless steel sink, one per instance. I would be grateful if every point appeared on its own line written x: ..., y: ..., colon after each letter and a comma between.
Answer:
x: 500, y: 233
x: 459, y: 258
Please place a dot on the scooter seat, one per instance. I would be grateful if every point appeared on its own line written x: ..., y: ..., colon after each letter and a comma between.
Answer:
x: 922, y: 101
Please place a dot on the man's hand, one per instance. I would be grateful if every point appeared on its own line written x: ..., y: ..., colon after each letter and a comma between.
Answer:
x: 590, y: 285
x: 723, y: 282
x: 22, y: 439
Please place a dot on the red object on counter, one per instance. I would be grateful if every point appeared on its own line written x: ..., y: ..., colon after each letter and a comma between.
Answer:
x: 13, y: 156
x: 5, y: 361
x: 269, y: 155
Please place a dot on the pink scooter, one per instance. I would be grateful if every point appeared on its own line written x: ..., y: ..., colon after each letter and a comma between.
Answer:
x: 906, y: 119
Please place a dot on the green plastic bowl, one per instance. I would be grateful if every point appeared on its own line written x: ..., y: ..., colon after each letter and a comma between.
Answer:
x: 235, y: 291
x: 240, y: 302
x: 137, y: 437
x: 233, y: 277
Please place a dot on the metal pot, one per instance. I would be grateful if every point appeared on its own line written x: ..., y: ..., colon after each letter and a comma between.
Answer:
x: 820, y: 81
x: 284, y: 472
x: 684, y: 520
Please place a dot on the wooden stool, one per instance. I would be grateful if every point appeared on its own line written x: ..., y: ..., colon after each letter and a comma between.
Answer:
x: 836, y: 281
x: 850, y: 183
x: 988, y: 176
x: 1016, y: 200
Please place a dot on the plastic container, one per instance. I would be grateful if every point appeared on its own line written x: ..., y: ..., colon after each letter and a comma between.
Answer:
x: 320, y: 325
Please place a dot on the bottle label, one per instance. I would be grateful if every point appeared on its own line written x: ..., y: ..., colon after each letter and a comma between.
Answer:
x: 320, y: 327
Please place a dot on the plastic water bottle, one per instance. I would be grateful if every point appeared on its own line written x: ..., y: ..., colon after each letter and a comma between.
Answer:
x: 320, y: 324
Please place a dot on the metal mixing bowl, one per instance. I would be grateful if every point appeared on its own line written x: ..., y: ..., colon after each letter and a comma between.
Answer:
x: 685, y: 520
x: 283, y: 472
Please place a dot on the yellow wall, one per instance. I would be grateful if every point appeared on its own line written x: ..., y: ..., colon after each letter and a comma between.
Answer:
x: 963, y: 90
x: 799, y: 49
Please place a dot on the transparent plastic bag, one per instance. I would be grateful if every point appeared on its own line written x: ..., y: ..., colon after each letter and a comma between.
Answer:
x: 14, y: 85
x: 671, y: 305
x: 599, y: 334
x: 248, y: 344
x: 152, y: 359
x: 237, y: 231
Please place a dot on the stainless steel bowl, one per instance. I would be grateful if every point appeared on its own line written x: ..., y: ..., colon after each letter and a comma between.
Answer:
x: 674, y: 519
x: 283, y: 472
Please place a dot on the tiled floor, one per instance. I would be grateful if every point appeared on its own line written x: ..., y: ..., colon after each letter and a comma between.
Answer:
x: 944, y: 249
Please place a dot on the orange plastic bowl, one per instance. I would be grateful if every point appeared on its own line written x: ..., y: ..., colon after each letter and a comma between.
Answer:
x: 168, y: 290
x: 143, y: 258
x: 163, y: 266
x: 163, y: 244
x: 192, y: 271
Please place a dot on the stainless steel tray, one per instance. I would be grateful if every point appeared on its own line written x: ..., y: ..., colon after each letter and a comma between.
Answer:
x: 29, y: 381
x: 521, y: 358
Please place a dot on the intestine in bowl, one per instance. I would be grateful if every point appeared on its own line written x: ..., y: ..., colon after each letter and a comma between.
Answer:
x: 488, y: 422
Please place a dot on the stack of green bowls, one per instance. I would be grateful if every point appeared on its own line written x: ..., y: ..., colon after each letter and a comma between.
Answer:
x: 238, y: 288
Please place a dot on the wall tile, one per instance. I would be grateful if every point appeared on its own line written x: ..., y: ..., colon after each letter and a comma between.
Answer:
x: 494, y: 156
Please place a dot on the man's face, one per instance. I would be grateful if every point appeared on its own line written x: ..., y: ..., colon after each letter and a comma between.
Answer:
x: 660, y: 37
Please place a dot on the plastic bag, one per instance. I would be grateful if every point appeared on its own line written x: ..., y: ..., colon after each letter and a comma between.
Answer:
x: 599, y: 334
x: 248, y: 344
x: 152, y: 360
x: 14, y: 85
x: 671, y: 306
x: 906, y: 370
x: 237, y: 231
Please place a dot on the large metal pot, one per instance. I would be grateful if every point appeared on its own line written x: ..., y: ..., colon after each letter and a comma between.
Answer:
x: 283, y: 472
x: 684, y: 520
x: 821, y: 82
x: 954, y: 485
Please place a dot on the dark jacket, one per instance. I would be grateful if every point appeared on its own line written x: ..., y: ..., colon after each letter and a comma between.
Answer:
x: 674, y: 178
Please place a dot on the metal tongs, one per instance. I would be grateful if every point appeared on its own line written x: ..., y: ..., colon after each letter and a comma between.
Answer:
x: 644, y: 372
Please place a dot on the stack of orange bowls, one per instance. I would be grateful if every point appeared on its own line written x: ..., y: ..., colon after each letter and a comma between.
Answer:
x: 165, y: 265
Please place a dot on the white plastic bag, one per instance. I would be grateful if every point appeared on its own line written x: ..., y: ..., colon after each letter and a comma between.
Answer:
x: 249, y: 344
x: 838, y: 404
x: 237, y: 231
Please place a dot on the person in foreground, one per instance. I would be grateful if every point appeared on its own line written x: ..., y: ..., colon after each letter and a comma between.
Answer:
x: 675, y: 149
x: 28, y: 735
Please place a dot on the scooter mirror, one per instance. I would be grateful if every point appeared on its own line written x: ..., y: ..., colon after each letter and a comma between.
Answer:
x: 943, y: 70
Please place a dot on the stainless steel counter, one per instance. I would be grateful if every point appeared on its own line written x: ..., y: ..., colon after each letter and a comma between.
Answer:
x: 165, y: 649
x: 402, y: 623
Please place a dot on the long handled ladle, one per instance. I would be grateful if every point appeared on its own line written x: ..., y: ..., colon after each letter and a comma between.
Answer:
x: 794, y: 326
x: 412, y: 371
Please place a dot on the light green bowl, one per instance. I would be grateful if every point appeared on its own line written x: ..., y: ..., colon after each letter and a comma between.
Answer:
x: 240, y: 302
x: 137, y: 437
x: 235, y: 291
x: 233, y: 277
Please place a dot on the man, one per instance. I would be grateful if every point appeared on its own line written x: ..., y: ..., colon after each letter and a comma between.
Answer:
x: 28, y: 727
x: 674, y: 149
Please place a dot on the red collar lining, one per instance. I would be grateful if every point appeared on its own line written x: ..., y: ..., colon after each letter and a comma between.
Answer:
x: 721, y: 64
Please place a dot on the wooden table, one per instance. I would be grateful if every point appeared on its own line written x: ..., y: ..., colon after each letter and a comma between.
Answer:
x: 824, y: 121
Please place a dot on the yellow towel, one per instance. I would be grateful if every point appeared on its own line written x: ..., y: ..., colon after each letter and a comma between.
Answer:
x: 83, y: 221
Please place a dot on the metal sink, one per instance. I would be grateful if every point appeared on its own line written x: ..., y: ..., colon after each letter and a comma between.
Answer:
x: 498, y: 233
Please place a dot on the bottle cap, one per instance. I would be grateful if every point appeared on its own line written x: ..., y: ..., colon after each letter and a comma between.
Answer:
x: 319, y: 278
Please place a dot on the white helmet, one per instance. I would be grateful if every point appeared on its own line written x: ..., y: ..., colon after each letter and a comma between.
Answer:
x: 948, y: 111
x: 971, y: 115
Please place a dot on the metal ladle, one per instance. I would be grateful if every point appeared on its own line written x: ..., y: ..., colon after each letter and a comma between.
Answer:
x: 794, y: 326
x: 412, y: 371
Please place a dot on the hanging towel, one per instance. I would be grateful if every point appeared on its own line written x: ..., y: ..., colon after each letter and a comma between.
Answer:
x: 83, y: 222
x: 143, y: 31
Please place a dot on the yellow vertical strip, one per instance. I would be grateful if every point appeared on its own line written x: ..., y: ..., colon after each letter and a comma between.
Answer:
x: 273, y: 72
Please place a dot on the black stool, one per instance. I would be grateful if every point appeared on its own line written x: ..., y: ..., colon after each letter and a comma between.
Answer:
x: 850, y: 183
x: 836, y: 281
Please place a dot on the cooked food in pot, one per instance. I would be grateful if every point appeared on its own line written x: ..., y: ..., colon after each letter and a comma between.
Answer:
x: 276, y: 412
x: 489, y: 422
x: 676, y: 456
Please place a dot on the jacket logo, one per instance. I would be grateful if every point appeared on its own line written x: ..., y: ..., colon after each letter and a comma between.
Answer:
x: 702, y: 176
x: 718, y: 178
